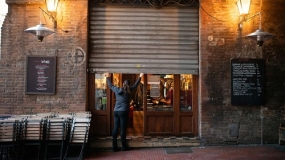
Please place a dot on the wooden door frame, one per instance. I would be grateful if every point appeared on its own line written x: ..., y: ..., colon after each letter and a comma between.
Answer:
x: 100, y: 119
x: 191, y: 117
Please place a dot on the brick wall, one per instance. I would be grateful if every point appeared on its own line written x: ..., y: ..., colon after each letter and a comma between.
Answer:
x: 219, y: 119
x: 71, y: 33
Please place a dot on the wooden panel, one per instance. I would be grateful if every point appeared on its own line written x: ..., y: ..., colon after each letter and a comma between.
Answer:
x: 160, y: 124
x: 186, y: 124
x: 195, y: 103
x: 132, y: 39
x: 99, y: 125
x: 91, y: 92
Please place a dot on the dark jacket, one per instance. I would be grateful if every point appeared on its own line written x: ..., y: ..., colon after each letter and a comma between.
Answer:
x: 122, y: 98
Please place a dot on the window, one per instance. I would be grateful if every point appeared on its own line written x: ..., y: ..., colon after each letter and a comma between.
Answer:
x: 186, y: 92
x: 100, y: 92
x: 160, y: 92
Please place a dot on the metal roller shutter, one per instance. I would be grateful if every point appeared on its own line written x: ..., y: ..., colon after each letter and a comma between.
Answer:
x: 128, y: 39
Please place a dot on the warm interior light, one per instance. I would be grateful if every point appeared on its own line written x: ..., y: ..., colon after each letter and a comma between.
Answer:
x: 243, y: 6
x: 51, y: 5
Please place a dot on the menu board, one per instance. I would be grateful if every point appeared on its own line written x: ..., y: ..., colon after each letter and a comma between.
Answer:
x: 40, y: 75
x: 247, y: 82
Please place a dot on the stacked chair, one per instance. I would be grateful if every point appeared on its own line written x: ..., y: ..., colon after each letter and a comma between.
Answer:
x: 79, y: 129
x: 8, y: 137
x: 32, y: 137
x: 44, y: 136
x: 56, y: 134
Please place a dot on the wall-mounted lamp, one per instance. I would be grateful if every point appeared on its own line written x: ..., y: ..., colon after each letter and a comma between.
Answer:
x: 243, y: 6
x: 52, y: 5
x: 259, y: 35
x: 51, y: 10
x: 40, y: 30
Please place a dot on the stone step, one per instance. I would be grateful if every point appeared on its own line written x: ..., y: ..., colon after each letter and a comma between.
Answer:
x: 146, y: 141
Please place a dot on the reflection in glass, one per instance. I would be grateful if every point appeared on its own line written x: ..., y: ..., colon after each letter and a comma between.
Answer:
x: 186, y: 92
x: 100, y: 92
x: 160, y: 92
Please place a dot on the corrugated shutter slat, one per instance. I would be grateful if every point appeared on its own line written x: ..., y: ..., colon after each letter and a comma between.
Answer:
x: 144, y: 39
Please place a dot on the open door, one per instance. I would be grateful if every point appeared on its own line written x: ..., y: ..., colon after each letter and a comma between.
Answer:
x: 99, y: 104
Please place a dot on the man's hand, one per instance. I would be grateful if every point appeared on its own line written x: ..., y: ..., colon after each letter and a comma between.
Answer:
x: 141, y: 74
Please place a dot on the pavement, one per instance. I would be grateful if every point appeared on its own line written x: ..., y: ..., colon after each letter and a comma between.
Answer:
x: 228, y: 152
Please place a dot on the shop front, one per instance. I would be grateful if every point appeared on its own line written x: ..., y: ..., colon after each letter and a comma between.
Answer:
x: 162, y: 105
x: 161, y: 43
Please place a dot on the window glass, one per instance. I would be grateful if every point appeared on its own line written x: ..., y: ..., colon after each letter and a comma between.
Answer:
x: 100, y: 92
x: 160, y: 92
x: 186, y: 92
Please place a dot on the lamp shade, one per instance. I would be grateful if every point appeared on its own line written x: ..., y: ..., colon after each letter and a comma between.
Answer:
x: 260, y: 36
x: 243, y: 6
x: 40, y: 31
x: 51, y: 5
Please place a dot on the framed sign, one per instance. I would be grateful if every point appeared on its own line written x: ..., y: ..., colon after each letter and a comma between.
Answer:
x: 247, y: 81
x: 40, y: 75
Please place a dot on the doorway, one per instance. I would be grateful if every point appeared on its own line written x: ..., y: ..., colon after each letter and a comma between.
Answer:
x: 135, y: 126
x: 172, y: 111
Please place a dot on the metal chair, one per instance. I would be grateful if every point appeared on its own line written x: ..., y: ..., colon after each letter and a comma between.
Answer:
x: 8, y: 134
x: 78, y: 136
x: 56, y: 132
x: 32, y: 136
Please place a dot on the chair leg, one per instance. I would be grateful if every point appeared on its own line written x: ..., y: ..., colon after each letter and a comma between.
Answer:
x: 81, y: 152
x: 66, y: 151
x: 46, y: 148
x: 61, y: 150
x: 39, y: 152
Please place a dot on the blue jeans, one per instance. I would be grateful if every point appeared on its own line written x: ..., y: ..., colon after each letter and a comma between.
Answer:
x: 120, y: 121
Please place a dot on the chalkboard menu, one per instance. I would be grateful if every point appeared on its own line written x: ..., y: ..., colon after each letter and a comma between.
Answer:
x: 247, y: 82
x: 40, y: 75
